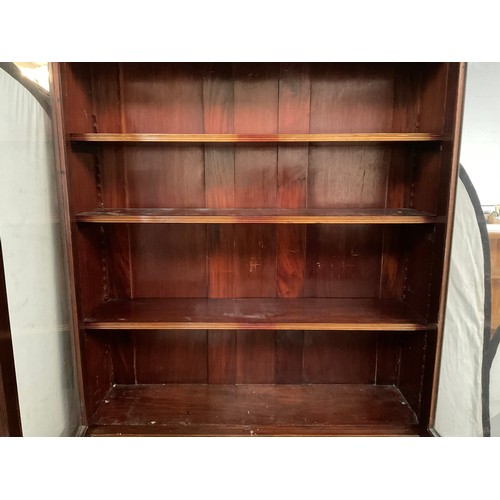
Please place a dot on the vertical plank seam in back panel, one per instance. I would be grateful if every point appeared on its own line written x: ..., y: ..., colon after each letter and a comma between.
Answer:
x: 207, y: 226
x: 384, y: 228
x: 123, y: 126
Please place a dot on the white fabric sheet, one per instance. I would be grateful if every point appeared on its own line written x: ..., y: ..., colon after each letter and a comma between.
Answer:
x: 30, y: 233
x: 459, y: 406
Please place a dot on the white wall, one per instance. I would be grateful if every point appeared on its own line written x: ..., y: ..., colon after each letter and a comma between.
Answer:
x: 30, y: 232
x: 480, y: 151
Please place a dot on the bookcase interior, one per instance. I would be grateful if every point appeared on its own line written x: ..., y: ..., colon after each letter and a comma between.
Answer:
x: 258, y: 248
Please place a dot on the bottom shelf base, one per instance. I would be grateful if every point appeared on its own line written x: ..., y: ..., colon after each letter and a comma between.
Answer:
x: 253, y: 410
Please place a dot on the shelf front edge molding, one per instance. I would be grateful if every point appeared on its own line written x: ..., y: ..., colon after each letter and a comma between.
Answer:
x: 168, y: 325
x: 256, y: 314
x: 256, y: 216
x: 234, y: 138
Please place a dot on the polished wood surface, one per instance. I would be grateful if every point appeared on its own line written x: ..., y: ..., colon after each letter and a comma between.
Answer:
x: 254, y: 356
x: 257, y: 216
x: 166, y: 357
x: 10, y: 418
x: 235, y: 138
x: 453, y: 111
x: 253, y: 410
x: 256, y: 314
x: 58, y: 73
x: 205, y: 197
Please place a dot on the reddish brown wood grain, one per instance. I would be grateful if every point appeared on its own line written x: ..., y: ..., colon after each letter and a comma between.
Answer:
x: 433, y: 97
x: 222, y: 261
x: 351, y: 97
x: 255, y: 111
x: 162, y: 98
x: 294, y: 114
x: 219, y: 176
x: 221, y: 357
x: 255, y: 260
x: 395, y: 262
x: 172, y: 356
x: 343, y: 261
x: 61, y: 99
x: 91, y: 268
x: 259, y: 314
x: 123, y: 355
x: 426, y: 400
x: 207, y: 197
x: 165, y: 177
x: 294, y: 98
x: 218, y: 98
x: 168, y: 260
x: 448, y: 182
x: 255, y: 409
x: 255, y: 355
x: 112, y: 168
x: 76, y: 89
x: 420, y: 245
x: 83, y: 189
x: 399, y: 187
x: 342, y: 358
x: 411, y: 369
x: 97, y: 368
x: 291, y: 216
x: 256, y: 98
x: 388, y: 357
x: 292, y: 176
x: 116, y: 240
x: 427, y: 170
x: 263, y: 430
x: 255, y: 176
x: 348, y: 176
x: 407, y: 100
x: 257, y: 138
x: 291, y: 256
x: 289, y: 357
x: 106, y: 97
x: 218, y: 112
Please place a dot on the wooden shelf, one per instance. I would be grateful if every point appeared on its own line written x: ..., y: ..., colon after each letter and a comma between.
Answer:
x: 253, y: 410
x: 235, y: 138
x: 256, y: 314
x: 256, y: 216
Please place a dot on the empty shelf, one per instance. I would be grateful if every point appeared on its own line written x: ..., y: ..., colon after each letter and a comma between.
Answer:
x: 214, y: 410
x: 256, y: 314
x: 257, y: 216
x: 246, y: 138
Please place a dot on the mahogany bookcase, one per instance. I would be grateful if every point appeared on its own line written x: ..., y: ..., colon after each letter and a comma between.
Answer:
x: 258, y: 248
